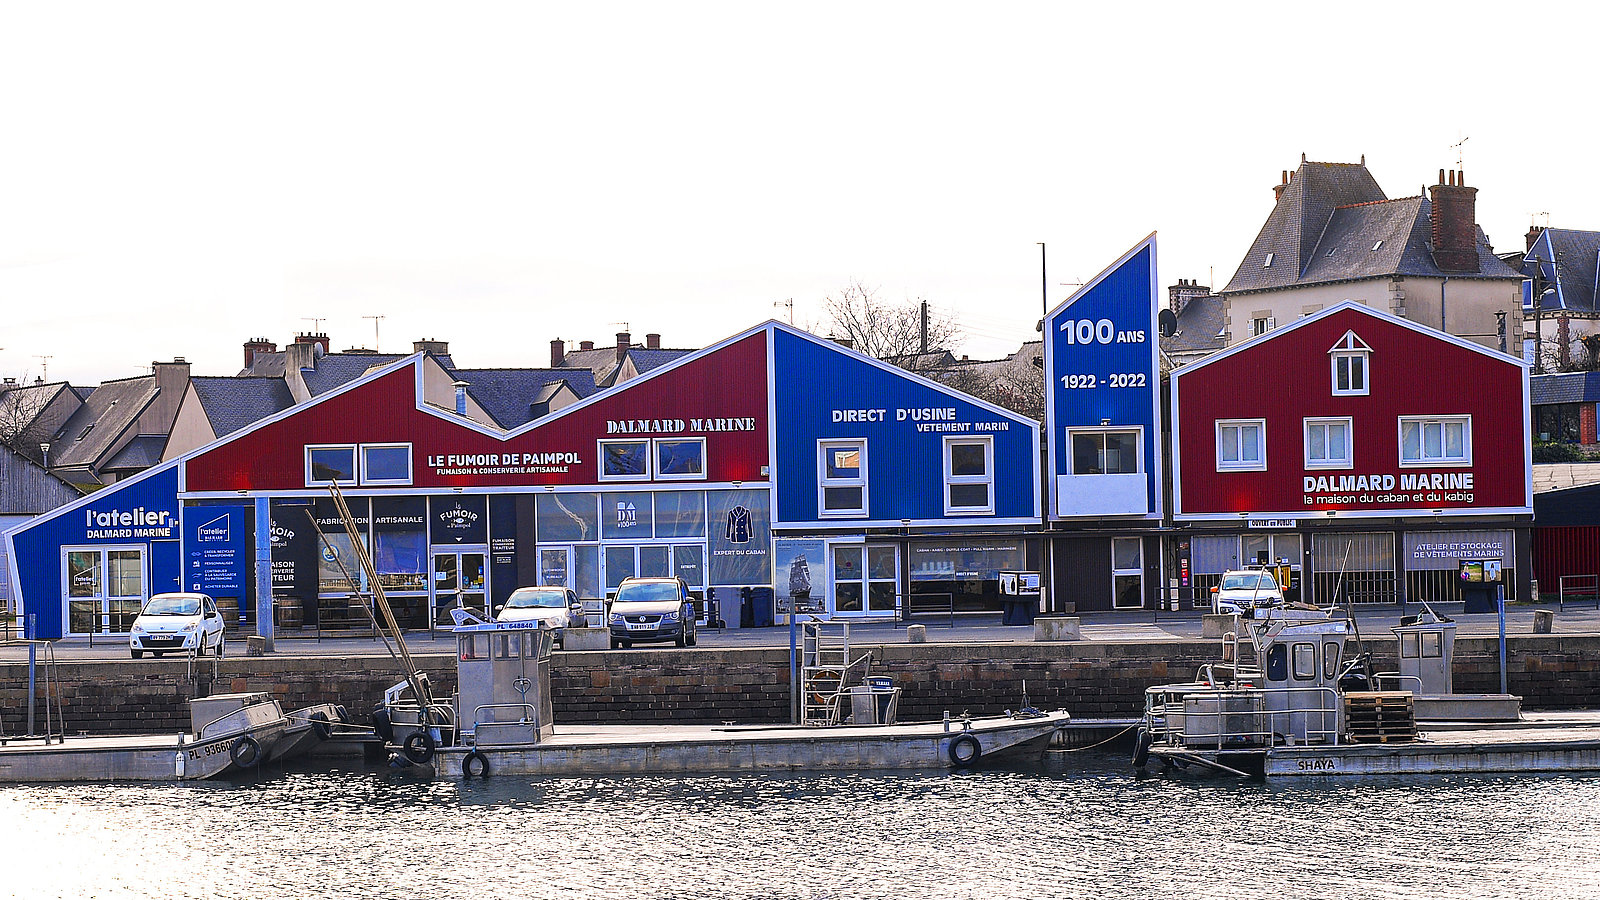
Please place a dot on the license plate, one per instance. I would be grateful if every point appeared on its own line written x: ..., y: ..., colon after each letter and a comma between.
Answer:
x: 636, y: 626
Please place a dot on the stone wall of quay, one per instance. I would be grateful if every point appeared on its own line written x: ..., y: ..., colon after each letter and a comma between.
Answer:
x: 1091, y: 679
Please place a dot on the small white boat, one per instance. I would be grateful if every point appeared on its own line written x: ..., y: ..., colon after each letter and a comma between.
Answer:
x: 502, y: 723
x: 227, y: 731
x: 1299, y: 707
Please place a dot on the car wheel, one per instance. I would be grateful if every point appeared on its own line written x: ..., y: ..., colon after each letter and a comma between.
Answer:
x: 627, y: 645
x: 615, y: 644
x: 694, y: 634
x: 138, y: 654
x: 220, y: 641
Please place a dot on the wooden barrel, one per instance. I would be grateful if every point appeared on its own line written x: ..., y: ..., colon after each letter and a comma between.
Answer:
x: 289, y: 613
x: 230, y: 614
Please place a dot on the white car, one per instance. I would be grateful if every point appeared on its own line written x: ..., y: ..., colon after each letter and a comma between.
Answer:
x: 1245, y: 590
x: 177, y: 623
x: 558, y: 607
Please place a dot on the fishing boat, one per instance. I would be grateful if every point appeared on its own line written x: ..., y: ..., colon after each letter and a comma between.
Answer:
x: 501, y: 722
x: 233, y: 731
x: 1284, y: 700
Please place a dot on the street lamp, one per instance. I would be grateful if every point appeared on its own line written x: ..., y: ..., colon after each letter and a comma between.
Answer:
x: 44, y: 450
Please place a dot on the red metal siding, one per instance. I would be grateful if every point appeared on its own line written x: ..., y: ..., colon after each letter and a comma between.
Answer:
x: 721, y: 397
x: 1287, y: 379
x: 1568, y: 550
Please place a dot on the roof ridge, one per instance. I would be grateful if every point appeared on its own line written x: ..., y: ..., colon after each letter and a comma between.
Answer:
x: 1376, y: 202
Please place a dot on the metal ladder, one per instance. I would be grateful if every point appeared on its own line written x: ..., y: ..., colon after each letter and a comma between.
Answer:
x: 825, y: 670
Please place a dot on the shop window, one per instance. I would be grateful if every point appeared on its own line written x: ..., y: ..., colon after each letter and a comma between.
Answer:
x: 1105, y: 452
x: 1328, y: 444
x: 1436, y: 441
x: 1241, y: 445
x: 969, y: 476
x: 385, y: 463
x: 330, y: 464
x: 1349, y: 361
x: 680, y: 458
x: 400, y: 558
x: 1127, y: 573
x: 624, y: 460
x: 842, y: 478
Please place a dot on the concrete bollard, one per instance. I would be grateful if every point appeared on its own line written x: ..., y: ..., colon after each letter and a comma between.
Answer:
x: 1215, y: 625
x: 1056, y: 628
x: 255, y: 645
x: 586, y: 639
x: 1543, y: 621
x: 917, y: 634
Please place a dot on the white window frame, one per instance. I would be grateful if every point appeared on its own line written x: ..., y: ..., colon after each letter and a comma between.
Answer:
x: 1345, y: 462
x: 1350, y: 346
x: 1424, y: 421
x: 824, y: 482
x: 649, y: 461
x: 1241, y: 464
x: 1138, y: 450
x: 355, y: 465
x: 655, y: 459
x: 411, y: 463
x: 952, y: 480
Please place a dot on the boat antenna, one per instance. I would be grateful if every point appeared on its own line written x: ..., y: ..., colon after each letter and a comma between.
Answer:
x: 1349, y: 604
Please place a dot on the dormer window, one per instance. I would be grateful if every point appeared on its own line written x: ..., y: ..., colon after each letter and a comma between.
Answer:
x: 1376, y: 247
x: 1350, y: 370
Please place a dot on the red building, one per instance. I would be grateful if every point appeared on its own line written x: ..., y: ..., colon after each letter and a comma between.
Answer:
x: 1364, y: 454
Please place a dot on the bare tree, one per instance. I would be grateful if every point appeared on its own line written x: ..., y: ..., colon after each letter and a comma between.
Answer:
x: 20, y: 427
x: 886, y: 330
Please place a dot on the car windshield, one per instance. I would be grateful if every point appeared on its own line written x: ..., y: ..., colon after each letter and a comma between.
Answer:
x: 533, y: 599
x: 1249, y: 581
x: 648, y: 592
x: 172, y: 606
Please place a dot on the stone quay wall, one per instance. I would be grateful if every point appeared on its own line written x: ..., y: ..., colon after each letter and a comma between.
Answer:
x: 1090, y: 679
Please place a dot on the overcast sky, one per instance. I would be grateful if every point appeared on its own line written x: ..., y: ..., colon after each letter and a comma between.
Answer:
x: 178, y: 179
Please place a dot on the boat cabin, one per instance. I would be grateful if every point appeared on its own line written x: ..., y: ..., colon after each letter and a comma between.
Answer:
x: 503, y: 682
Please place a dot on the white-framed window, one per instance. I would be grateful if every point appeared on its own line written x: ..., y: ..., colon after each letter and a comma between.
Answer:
x: 969, y: 476
x: 841, y: 478
x: 1328, y: 443
x: 1435, y: 440
x: 1262, y: 324
x: 385, y: 463
x: 1241, y: 445
x: 679, y: 459
x: 1105, y: 452
x: 1349, y: 359
x: 625, y: 460
x: 330, y: 464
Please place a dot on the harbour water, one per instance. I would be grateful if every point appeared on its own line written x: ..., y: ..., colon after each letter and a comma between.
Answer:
x: 1080, y: 825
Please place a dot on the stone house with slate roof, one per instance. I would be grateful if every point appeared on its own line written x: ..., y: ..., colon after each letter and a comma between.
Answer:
x: 611, y: 366
x: 1334, y: 235
x: 31, y: 414
x: 121, y: 427
x: 1563, y: 268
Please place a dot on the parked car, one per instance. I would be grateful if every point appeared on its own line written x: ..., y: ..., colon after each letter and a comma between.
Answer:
x: 1243, y: 591
x: 177, y: 622
x: 651, y: 609
x: 557, y: 606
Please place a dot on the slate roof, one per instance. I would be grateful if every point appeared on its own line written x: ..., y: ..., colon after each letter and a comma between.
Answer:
x: 1574, y: 273
x: 111, y: 409
x: 1564, y: 387
x: 1199, y: 327
x: 645, y: 359
x: 29, y: 401
x: 138, y: 454
x: 231, y: 403
x: 1333, y: 223
x: 338, y: 369
x: 510, y: 394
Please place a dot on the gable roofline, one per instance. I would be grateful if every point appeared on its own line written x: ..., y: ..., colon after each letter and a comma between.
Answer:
x: 1362, y: 308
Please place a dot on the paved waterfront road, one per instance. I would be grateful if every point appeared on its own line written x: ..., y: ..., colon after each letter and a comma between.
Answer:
x: 967, y: 629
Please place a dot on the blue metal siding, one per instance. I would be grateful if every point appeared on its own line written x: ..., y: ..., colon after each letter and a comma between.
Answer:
x: 905, y: 463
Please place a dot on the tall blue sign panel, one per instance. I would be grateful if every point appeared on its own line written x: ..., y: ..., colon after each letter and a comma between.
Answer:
x: 140, y: 513
x: 219, y: 540
x: 828, y: 394
x: 1103, y: 393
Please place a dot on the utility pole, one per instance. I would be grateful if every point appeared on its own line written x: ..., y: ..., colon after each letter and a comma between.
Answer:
x: 1045, y: 587
x: 375, y: 320
x: 924, y: 327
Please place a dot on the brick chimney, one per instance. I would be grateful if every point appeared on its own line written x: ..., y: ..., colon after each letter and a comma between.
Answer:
x: 1533, y: 235
x: 1281, y: 186
x: 1179, y: 295
x: 1455, y: 227
x: 558, y: 353
x: 429, y: 345
x: 586, y: 345
x: 320, y: 337
x: 652, y: 341
x: 257, y: 345
x: 622, y: 345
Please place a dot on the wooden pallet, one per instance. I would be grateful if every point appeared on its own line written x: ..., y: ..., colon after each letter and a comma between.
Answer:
x: 1380, y: 717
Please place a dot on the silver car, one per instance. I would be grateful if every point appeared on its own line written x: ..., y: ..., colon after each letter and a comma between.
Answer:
x: 556, y: 606
x: 651, y: 609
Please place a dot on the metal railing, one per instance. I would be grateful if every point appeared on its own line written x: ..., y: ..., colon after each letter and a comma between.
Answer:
x: 1245, y: 724
x: 906, y: 608
x: 1578, y: 589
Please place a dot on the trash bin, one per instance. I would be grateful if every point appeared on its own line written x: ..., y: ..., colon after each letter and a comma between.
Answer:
x: 1018, y: 610
x: 762, y: 613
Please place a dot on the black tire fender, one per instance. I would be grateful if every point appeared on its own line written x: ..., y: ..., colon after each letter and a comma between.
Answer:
x: 382, y: 726
x: 320, y: 726
x: 1142, y: 739
x: 245, y: 752
x: 419, y: 746
x: 475, y: 760
x: 965, y: 750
